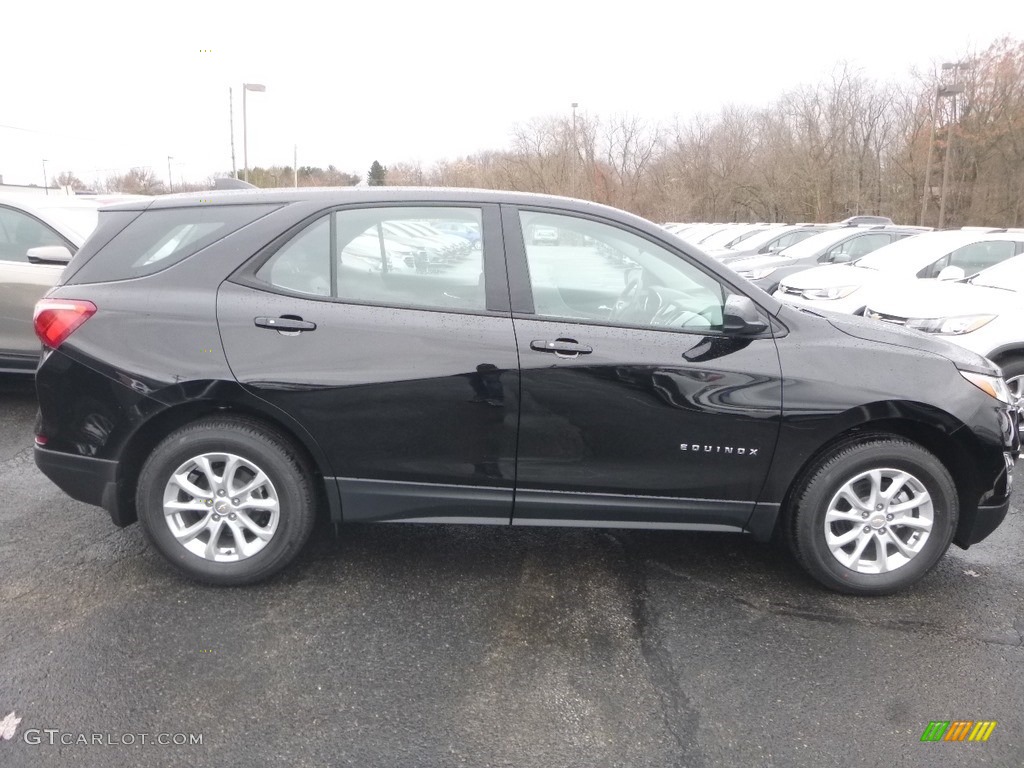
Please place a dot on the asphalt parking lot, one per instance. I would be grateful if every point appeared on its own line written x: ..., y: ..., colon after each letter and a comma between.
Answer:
x: 436, y: 646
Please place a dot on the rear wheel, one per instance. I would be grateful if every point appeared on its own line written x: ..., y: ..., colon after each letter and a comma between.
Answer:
x: 226, y: 500
x: 874, y: 517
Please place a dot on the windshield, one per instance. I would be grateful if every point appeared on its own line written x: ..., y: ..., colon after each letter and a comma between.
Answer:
x: 1008, y: 274
x: 719, y: 239
x: 812, y: 245
x: 744, y: 237
x: 757, y: 239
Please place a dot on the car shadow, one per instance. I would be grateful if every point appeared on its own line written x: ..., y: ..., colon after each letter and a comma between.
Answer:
x: 425, y: 552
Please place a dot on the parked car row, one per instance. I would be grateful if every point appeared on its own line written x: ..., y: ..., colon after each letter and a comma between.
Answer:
x: 965, y: 285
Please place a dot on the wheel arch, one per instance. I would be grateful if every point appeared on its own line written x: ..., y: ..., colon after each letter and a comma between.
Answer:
x: 1007, y: 353
x: 952, y: 445
x: 137, y: 447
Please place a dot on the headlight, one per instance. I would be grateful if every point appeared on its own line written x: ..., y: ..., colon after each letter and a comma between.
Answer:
x: 835, y: 292
x: 756, y: 274
x: 950, y: 326
x: 992, y: 386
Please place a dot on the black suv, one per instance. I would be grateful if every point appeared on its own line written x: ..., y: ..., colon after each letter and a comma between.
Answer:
x: 223, y: 368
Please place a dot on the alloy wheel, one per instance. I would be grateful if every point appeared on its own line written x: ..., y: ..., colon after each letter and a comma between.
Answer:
x: 221, y: 507
x: 879, y: 520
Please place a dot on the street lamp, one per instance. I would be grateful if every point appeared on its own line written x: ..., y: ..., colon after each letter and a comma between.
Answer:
x: 170, y: 184
x: 46, y: 184
x: 245, y: 134
x: 952, y: 90
x: 575, y: 152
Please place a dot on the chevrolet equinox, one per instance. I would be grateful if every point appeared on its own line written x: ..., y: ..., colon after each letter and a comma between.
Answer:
x: 223, y: 369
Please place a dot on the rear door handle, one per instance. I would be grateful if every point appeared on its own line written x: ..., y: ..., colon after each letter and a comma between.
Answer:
x: 561, y: 347
x: 285, y: 323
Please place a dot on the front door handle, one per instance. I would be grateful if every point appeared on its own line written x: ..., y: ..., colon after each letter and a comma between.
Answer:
x: 561, y: 347
x: 285, y: 323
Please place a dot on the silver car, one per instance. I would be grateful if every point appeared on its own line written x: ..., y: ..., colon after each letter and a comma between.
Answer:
x: 38, y: 236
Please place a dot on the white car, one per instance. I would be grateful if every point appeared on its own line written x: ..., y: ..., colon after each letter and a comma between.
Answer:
x: 38, y: 236
x: 947, y: 255
x: 984, y: 313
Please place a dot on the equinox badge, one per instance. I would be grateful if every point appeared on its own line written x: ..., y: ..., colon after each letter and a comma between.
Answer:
x: 698, y: 448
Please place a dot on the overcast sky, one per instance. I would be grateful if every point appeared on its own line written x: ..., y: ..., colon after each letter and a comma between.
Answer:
x: 99, y: 87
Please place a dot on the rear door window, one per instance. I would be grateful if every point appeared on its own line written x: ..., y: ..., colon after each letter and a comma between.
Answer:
x: 375, y: 256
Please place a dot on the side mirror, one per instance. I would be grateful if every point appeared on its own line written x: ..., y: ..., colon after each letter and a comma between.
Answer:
x: 774, y: 249
x: 842, y: 258
x: 952, y: 273
x: 742, y: 317
x: 49, y: 254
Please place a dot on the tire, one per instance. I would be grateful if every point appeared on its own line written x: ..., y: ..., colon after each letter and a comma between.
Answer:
x: 882, y: 567
x: 261, y: 529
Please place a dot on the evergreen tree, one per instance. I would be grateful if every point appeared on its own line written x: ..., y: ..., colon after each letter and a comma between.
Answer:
x: 377, y: 176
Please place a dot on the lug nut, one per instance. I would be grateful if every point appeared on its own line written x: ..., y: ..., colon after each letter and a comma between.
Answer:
x: 209, y: 502
x: 867, y: 529
x: 864, y: 515
x: 216, y: 517
x: 232, y: 516
x: 879, y: 508
x: 220, y: 492
x: 234, y: 501
x: 888, y: 517
x: 881, y: 530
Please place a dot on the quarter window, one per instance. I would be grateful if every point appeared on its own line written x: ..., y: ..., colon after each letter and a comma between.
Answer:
x: 385, y: 256
x: 588, y: 271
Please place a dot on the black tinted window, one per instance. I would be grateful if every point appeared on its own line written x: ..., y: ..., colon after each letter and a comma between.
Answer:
x: 160, y: 238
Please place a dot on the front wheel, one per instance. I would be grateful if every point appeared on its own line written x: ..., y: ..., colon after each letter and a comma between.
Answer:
x: 226, y: 500
x: 874, y: 517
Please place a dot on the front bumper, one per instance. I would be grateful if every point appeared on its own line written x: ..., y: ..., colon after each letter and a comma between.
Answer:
x: 977, y: 524
x: 87, y: 479
x: 985, y: 520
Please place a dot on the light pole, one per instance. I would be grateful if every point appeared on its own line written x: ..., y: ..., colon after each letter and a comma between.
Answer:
x: 574, y: 150
x: 231, y: 126
x: 46, y: 184
x: 952, y: 90
x: 170, y: 183
x: 245, y: 132
x: 928, y: 163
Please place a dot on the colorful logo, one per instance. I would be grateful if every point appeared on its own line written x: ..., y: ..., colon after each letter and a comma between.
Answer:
x: 958, y: 730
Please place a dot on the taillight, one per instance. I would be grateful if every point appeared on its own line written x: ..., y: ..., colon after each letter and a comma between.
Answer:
x: 56, y: 319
